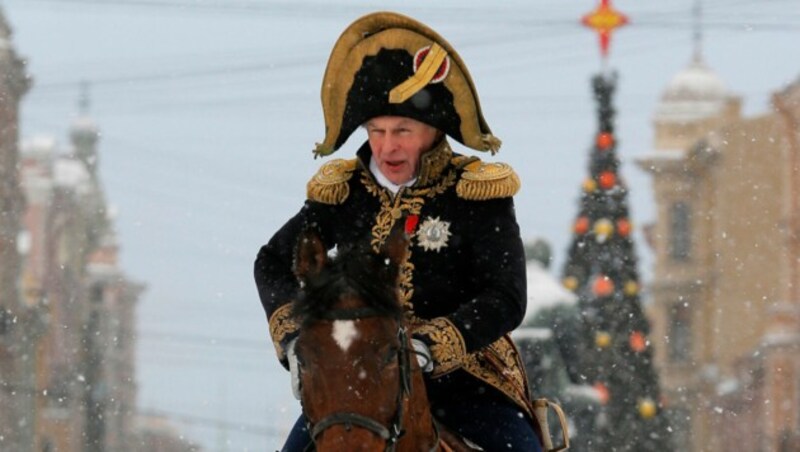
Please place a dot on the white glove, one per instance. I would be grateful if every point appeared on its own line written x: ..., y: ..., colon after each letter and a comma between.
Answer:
x: 424, y: 358
x: 294, y: 369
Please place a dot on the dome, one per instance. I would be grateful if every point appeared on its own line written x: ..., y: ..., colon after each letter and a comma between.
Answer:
x: 693, y: 93
x: 84, y: 132
x: 696, y: 82
x: 84, y: 125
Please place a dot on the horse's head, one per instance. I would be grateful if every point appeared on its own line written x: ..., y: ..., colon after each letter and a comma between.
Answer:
x: 352, y: 349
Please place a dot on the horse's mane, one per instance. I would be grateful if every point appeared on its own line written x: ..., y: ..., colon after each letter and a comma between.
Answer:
x: 356, y: 271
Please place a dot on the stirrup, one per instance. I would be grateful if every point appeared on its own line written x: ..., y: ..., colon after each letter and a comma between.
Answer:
x: 540, y: 407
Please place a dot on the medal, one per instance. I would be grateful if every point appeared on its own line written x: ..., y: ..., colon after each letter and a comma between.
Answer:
x: 433, y: 234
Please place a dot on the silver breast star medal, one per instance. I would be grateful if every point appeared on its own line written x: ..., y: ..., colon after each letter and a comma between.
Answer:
x: 433, y: 234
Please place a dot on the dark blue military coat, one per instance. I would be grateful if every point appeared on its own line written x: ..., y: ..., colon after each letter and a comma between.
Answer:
x: 463, y: 285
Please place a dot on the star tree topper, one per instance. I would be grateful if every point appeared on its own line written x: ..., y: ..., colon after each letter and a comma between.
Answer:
x: 604, y: 19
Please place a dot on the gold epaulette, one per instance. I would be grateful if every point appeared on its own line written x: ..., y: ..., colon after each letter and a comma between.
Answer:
x: 481, y: 181
x: 329, y: 185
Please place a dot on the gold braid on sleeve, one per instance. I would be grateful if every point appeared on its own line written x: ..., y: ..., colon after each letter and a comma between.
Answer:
x: 447, y: 344
x: 281, y: 324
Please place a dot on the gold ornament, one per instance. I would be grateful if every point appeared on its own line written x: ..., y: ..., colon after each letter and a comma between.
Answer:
x: 602, y: 339
x: 631, y: 288
x: 647, y: 408
x: 589, y: 185
x: 603, y: 229
x: 570, y: 282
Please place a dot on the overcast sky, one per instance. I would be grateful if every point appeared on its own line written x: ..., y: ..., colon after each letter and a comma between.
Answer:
x: 209, y: 111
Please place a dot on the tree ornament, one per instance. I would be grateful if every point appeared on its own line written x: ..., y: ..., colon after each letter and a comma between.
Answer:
x: 603, y: 228
x: 602, y: 339
x: 637, y: 342
x: 647, y: 408
x: 607, y: 180
x: 604, y: 141
x: 603, y: 393
x: 570, y: 283
x: 631, y: 288
x: 603, y: 286
x: 623, y: 227
x: 581, y: 225
x: 589, y: 185
x: 604, y: 20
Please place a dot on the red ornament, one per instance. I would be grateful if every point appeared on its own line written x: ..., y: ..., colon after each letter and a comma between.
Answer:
x: 605, y: 140
x: 581, y: 225
x: 623, y: 227
x: 603, y: 286
x: 604, y: 20
x: 602, y: 392
x: 607, y: 180
x: 411, y: 224
x: 637, y: 341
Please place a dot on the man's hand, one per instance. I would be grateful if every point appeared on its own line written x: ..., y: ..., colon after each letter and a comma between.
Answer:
x: 423, y: 353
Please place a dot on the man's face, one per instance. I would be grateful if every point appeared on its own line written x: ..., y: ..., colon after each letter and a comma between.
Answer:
x: 397, y: 143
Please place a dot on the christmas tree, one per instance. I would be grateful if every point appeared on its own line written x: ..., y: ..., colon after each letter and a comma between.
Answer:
x: 612, y: 352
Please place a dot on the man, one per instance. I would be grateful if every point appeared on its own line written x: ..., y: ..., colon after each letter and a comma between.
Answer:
x: 463, y: 284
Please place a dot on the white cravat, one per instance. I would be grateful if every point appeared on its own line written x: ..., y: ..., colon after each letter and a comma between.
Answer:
x: 383, y: 181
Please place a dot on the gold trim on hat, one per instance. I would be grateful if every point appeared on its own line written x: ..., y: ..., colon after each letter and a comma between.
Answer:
x: 427, y: 70
x: 386, y: 30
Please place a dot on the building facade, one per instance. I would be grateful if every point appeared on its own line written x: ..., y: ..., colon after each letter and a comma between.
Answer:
x: 84, y: 372
x: 67, y: 310
x: 724, y: 292
x: 18, y: 320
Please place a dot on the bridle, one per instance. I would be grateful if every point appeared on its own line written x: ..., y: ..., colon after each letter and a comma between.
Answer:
x: 394, y: 431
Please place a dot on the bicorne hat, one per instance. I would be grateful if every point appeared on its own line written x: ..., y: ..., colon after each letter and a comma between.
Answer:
x: 389, y: 64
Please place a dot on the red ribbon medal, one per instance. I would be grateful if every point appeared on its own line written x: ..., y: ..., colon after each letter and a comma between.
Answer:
x: 411, y: 223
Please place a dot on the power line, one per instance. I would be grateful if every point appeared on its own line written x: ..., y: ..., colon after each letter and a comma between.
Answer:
x: 243, y: 427
x: 748, y: 25
x: 173, y: 76
x: 198, y: 339
x: 272, y: 66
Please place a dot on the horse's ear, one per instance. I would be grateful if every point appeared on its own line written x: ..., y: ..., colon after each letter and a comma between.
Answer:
x: 310, y: 255
x: 396, y: 245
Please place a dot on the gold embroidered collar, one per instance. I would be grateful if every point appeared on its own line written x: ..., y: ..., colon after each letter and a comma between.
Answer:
x: 433, y: 163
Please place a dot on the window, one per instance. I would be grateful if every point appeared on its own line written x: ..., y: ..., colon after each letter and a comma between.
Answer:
x: 680, y: 239
x: 680, y: 333
x: 5, y: 321
x: 96, y: 293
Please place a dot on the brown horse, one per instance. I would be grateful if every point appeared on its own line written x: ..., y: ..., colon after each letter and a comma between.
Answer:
x: 361, y: 385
